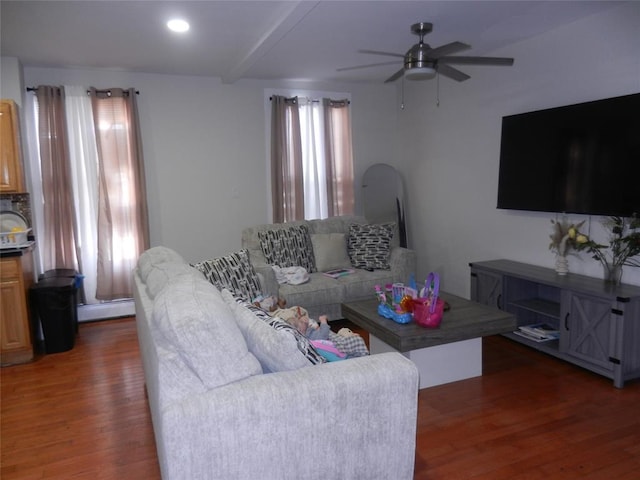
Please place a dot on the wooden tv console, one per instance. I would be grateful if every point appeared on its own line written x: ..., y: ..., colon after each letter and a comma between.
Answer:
x: 598, y: 324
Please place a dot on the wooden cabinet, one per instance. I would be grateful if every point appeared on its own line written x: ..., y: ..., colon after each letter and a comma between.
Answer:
x: 16, y: 276
x: 598, y: 325
x: 11, y: 177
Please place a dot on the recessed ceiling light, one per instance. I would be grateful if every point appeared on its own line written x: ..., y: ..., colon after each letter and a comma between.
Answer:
x: 178, y: 25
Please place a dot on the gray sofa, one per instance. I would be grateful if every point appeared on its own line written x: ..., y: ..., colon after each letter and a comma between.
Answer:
x: 322, y: 294
x: 233, y: 398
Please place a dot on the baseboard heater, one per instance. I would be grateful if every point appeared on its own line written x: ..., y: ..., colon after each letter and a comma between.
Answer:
x: 104, y: 311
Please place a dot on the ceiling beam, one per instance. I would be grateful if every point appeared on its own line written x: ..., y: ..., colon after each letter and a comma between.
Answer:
x: 292, y: 14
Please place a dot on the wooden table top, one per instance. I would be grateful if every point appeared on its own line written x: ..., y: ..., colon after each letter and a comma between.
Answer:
x: 463, y: 321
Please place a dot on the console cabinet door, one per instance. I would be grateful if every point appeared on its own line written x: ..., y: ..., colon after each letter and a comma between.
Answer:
x: 486, y: 288
x: 588, y: 332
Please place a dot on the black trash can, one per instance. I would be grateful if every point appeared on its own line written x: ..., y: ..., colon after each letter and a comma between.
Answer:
x: 68, y: 273
x: 53, y: 305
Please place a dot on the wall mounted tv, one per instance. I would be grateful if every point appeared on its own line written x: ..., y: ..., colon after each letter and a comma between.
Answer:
x: 582, y: 158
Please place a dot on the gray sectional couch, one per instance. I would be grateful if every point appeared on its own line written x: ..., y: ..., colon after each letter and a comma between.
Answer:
x: 233, y: 398
x: 322, y: 294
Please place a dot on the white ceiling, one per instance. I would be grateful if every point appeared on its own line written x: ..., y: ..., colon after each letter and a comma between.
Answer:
x: 265, y: 39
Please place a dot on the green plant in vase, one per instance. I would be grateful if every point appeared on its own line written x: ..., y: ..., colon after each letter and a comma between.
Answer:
x: 624, y: 245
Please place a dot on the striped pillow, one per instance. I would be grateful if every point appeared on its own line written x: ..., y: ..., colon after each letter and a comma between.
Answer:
x: 288, y: 247
x: 234, y: 272
x: 369, y: 246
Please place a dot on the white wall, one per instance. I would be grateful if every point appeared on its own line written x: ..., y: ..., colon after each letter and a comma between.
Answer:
x: 11, y: 79
x: 205, y: 149
x: 450, y: 153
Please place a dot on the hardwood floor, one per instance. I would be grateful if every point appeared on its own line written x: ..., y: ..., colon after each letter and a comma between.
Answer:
x: 82, y: 414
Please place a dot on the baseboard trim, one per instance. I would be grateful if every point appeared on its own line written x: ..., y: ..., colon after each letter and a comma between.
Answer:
x: 104, y: 311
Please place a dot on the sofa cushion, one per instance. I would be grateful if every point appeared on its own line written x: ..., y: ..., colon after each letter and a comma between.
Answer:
x: 197, y: 324
x: 330, y: 251
x: 302, y: 342
x: 360, y: 284
x: 160, y: 275
x: 288, y: 247
x: 233, y: 271
x: 369, y: 246
x: 155, y: 256
x: 276, y: 350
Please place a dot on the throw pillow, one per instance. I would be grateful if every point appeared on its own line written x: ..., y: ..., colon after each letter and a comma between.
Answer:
x: 330, y: 251
x: 276, y: 350
x: 161, y: 274
x: 195, y: 321
x: 155, y: 256
x: 233, y: 271
x: 302, y: 342
x: 369, y: 246
x: 288, y: 247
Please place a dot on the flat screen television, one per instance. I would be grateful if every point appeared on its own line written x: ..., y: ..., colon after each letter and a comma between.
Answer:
x: 582, y: 158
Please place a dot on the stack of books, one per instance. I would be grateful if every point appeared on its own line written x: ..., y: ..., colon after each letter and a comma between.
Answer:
x: 538, y: 332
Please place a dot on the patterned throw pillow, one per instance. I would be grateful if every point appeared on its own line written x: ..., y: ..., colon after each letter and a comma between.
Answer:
x: 234, y: 272
x: 369, y: 245
x: 288, y: 247
x: 304, y: 346
x: 276, y: 350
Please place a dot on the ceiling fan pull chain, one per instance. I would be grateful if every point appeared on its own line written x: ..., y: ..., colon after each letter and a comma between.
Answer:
x: 402, y: 94
x: 437, y: 90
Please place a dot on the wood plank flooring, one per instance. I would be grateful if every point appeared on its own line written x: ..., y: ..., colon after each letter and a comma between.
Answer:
x: 82, y: 414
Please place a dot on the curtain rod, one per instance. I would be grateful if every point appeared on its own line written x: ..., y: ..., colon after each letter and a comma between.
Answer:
x: 34, y: 89
x: 312, y: 101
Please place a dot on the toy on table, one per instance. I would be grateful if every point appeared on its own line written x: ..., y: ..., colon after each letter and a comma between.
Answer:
x: 392, y: 305
x: 429, y: 307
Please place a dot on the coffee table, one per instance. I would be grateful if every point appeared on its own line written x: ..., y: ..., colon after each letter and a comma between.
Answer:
x: 446, y: 354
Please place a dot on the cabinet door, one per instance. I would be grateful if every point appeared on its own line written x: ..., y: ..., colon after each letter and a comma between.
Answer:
x: 15, y: 333
x: 486, y: 288
x: 588, y: 330
x: 10, y: 163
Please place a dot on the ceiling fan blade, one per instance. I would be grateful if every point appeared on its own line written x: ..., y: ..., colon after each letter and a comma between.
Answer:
x: 395, y: 76
x: 376, y: 52
x: 342, y: 69
x: 451, y: 72
x: 448, y: 49
x: 498, y: 61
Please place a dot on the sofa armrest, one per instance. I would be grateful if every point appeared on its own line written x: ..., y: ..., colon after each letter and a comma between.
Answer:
x: 403, y: 263
x: 347, y: 420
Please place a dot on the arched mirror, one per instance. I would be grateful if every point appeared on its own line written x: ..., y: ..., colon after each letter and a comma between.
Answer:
x: 383, y: 197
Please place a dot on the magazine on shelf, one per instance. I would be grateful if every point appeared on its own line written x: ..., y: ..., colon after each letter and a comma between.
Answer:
x: 340, y: 272
x: 520, y: 333
x: 539, y: 332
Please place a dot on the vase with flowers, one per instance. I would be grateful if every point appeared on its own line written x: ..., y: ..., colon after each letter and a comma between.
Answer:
x: 624, y: 245
x: 563, y: 240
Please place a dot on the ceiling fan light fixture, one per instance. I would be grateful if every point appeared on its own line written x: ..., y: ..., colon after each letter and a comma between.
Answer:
x: 417, y: 64
x: 419, y: 73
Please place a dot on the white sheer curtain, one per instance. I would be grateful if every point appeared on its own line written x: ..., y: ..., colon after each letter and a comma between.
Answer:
x: 313, y: 158
x: 104, y: 172
x: 83, y: 154
x: 32, y: 159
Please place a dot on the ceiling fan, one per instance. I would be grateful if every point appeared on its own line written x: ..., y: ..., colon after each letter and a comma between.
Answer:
x: 422, y: 62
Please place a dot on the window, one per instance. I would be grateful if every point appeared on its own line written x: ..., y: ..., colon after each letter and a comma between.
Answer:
x: 90, y: 202
x: 311, y: 158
